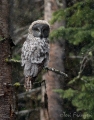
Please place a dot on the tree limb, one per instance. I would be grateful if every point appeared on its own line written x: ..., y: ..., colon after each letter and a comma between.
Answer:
x: 23, y: 112
x: 56, y: 71
x: 28, y: 94
x: 47, y: 68
x: 12, y: 60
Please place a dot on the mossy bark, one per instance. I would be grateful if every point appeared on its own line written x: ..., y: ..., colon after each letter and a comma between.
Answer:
x: 5, y: 68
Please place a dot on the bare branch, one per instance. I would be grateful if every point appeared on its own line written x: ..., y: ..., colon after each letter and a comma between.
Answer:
x: 76, y: 57
x: 12, y: 60
x: 56, y: 71
x: 47, y: 68
x: 28, y: 94
x: 23, y: 112
x: 84, y: 62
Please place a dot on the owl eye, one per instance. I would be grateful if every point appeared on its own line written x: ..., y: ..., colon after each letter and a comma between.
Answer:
x: 36, y: 29
x: 45, y: 30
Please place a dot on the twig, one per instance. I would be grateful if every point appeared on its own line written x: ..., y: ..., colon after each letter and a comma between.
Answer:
x: 28, y: 94
x: 56, y: 71
x: 23, y: 112
x: 21, y: 95
x: 17, y: 84
x: 76, y: 57
x: 84, y: 62
x: 12, y: 60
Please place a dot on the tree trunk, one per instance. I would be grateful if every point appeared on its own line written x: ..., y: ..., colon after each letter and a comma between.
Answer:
x: 53, y: 80
x: 5, y: 68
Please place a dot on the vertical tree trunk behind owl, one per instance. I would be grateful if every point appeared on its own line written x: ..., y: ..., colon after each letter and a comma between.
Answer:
x: 5, y: 68
x: 54, y: 81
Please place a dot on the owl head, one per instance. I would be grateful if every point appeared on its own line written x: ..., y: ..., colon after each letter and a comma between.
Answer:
x: 40, y: 29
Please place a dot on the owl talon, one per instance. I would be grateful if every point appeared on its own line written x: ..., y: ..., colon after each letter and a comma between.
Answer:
x: 28, y: 84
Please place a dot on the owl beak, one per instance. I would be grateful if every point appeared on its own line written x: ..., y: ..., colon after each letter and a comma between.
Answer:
x: 41, y: 35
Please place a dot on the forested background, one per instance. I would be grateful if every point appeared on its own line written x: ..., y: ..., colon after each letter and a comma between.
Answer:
x: 72, y: 51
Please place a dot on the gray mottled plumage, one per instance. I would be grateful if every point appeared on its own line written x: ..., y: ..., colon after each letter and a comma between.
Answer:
x: 35, y: 51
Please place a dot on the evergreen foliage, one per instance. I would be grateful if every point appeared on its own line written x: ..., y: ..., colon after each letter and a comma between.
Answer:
x: 79, y: 23
x: 79, y: 32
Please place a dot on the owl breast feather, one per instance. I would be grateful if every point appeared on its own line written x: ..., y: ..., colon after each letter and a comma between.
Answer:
x: 34, y: 51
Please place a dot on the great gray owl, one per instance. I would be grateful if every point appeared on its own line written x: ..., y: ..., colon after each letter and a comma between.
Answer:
x: 35, y: 51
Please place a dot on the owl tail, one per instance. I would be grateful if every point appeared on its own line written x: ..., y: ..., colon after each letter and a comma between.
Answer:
x: 28, y: 83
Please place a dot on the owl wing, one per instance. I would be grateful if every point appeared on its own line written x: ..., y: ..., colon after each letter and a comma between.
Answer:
x: 32, y: 52
x: 32, y: 55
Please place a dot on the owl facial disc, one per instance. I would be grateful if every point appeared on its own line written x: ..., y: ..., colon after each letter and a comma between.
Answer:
x: 40, y: 30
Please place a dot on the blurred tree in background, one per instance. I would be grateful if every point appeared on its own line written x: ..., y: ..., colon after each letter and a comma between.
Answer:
x: 56, y: 55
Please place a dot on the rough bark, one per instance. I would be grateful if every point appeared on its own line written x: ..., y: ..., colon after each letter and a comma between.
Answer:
x: 5, y: 68
x: 53, y: 80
